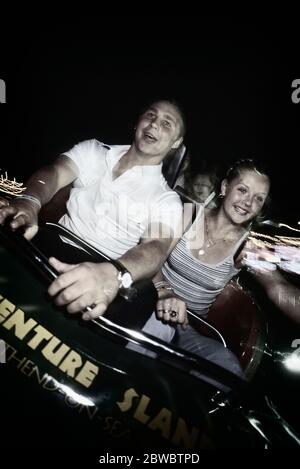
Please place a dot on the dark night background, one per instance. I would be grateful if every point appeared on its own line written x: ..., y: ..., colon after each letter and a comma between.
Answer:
x: 70, y: 80
x: 89, y: 77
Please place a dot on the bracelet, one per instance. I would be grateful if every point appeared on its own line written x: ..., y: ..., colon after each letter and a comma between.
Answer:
x: 162, y: 285
x: 31, y: 198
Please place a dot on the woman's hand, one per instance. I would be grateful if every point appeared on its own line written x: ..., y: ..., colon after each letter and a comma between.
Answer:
x: 172, y: 310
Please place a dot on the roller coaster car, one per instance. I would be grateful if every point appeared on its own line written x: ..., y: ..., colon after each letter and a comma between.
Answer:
x: 65, y: 382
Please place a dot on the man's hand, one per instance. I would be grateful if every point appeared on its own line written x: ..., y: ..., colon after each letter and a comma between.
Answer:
x: 3, y: 202
x: 172, y: 310
x: 88, y: 284
x: 23, y: 213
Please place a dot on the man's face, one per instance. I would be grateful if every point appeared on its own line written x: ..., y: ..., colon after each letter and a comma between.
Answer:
x: 159, y: 129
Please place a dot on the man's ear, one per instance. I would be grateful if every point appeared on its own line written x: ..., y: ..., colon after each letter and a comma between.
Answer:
x: 177, y: 143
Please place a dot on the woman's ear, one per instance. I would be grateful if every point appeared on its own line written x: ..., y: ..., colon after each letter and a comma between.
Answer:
x: 224, y: 186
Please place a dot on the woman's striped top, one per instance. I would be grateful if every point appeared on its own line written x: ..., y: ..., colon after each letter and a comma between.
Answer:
x: 195, y: 282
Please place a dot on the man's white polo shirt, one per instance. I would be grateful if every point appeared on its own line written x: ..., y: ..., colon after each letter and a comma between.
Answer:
x: 113, y: 215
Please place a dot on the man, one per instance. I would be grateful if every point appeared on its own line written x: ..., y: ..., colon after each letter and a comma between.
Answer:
x: 105, y: 178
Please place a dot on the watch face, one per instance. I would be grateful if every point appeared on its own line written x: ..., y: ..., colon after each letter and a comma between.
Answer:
x: 126, y: 280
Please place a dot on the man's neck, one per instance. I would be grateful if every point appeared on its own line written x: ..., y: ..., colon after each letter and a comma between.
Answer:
x: 130, y: 159
x: 134, y: 157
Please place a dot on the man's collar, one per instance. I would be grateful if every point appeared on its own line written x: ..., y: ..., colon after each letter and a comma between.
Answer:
x: 144, y: 170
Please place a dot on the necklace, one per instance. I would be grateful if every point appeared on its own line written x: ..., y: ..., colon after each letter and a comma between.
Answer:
x: 209, y: 242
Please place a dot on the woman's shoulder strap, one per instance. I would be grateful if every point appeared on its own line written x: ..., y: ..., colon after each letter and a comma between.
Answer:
x: 240, y: 245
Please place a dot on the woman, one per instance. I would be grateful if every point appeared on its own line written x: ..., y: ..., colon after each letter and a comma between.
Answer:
x: 204, y: 261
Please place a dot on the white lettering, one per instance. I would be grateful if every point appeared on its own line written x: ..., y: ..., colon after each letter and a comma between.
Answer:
x: 296, y: 93
x: 2, y: 91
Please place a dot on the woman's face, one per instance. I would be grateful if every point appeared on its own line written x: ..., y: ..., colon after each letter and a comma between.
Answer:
x: 244, y: 196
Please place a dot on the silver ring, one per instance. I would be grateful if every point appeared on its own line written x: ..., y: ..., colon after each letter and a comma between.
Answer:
x: 173, y: 314
x: 89, y: 308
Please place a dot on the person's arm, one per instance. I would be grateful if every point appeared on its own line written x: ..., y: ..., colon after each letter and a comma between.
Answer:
x: 282, y: 293
x: 96, y: 285
x: 147, y: 258
x: 169, y: 308
x: 47, y: 181
x: 40, y: 188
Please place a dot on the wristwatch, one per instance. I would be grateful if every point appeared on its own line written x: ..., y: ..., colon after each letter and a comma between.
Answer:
x: 124, y: 275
